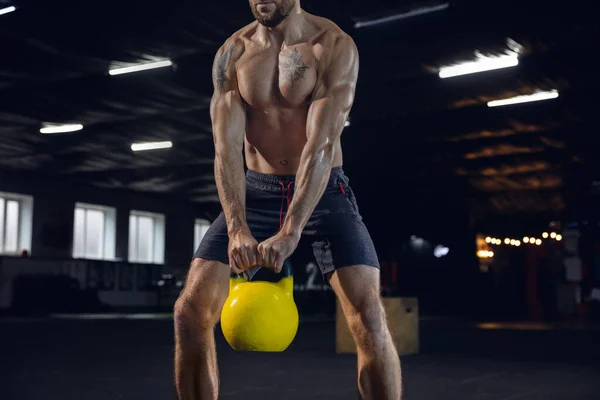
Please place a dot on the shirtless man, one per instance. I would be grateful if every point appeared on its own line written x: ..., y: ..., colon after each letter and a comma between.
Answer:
x: 283, y: 89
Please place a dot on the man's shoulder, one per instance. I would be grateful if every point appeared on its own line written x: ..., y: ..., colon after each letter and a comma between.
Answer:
x: 330, y: 32
x: 238, y: 38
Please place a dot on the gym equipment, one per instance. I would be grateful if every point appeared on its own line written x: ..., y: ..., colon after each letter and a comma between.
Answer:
x: 260, y: 316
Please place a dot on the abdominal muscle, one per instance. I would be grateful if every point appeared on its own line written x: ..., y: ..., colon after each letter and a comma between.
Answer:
x: 275, y: 140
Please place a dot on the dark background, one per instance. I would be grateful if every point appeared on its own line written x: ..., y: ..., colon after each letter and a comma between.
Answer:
x: 426, y: 157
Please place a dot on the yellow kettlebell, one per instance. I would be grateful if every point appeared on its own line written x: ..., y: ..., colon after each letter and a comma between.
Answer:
x: 260, y: 316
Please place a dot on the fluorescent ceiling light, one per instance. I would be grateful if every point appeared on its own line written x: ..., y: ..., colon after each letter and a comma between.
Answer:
x: 151, y: 146
x: 395, y: 17
x: 552, y: 94
x: 61, y: 128
x: 482, y: 64
x: 7, y: 10
x: 141, y: 67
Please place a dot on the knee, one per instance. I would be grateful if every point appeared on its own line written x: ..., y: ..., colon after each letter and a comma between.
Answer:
x: 368, y: 323
x: 191, y: 318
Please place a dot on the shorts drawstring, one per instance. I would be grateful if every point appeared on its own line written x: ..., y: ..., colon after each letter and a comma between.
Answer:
x: 285, y: 195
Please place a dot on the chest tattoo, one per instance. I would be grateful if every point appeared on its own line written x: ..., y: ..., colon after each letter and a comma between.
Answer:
x: 293, y: 67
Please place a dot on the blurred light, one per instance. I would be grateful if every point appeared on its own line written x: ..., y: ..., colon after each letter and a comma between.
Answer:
x: 395, y: 17
x: 151, y: 146
x: 497, y: 241
x: 512, y: 242
x: 506, y: 241
x: 538, y: 242
x: 61, y: 128
x: 552, y: 94
x: 558, y: 238
x: 525, y: 239
x: 440, y: 251
x: 488, y: 239
x: 545, y: 235
x: 141, y: 67
x: 553, y: 235
x: 482, y: 64
x: 347, y: 123
x: 7, y: 10
x: 485, y: 254
x: 517, y: 243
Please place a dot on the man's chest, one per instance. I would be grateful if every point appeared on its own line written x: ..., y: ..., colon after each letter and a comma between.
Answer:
x: 286, y: 77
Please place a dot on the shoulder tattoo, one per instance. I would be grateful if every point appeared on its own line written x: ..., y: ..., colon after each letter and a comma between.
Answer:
x: 222, y: 64
x: 293, y: 67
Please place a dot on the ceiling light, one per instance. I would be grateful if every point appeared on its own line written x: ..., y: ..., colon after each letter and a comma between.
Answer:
x: 151, y: 146
x: 552, y: 94
x: 141, y: 67
x: 49, y: 129
x: 482, y: 64
x: 395, y: 17
x: 7, y: 10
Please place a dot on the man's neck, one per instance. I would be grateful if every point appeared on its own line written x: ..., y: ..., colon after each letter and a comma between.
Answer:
x: 291, y: 30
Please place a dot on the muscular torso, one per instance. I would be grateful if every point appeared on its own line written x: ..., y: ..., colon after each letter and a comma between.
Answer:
x: 276, y: 83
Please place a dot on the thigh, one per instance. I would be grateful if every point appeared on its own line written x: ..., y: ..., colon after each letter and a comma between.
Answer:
x: 343, y: 241
x: 357, y: 288
x: 215, y: 242
x: 337, y: 232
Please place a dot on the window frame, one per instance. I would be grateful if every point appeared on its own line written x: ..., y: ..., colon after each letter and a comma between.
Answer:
x: 108, y: 239
x: 158, y: 237
x: 24, y: 222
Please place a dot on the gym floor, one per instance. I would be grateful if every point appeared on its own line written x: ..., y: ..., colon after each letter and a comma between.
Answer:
x: 132, y: 359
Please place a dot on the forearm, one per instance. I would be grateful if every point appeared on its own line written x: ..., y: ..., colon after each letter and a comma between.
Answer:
x: 311, y: 180
x: 231, y: 185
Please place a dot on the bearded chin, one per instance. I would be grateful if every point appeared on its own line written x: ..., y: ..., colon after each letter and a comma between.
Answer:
x: 277, y: 17
x: 272, y: 21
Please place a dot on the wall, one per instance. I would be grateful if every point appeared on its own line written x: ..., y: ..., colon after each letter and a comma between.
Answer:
x: 53, y: 215
x: 392, y: 211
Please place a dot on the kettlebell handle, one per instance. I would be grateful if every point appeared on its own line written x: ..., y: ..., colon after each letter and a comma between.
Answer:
x: 286, y: 282
x: 286, y: 271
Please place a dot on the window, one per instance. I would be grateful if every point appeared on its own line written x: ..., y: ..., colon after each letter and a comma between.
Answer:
x: 16, y: 216
x: 200, y: 228
x: 146, y: 237
x: 94, y: 232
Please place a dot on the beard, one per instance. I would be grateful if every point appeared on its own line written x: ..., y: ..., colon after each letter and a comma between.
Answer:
x: 282, y: 11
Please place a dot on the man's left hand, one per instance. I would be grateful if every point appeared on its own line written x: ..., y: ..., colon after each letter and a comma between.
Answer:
x: 277, y: 249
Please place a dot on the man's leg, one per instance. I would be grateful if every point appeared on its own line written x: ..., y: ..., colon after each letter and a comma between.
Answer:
x: 357, y: 288
x: 196, y: 313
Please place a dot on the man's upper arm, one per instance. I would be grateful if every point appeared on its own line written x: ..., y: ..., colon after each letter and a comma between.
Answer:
x: 226, y: 108
x: 334, y: 95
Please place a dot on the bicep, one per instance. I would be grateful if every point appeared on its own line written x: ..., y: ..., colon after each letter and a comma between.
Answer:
x: 334, y: 97
x: 226, y: 108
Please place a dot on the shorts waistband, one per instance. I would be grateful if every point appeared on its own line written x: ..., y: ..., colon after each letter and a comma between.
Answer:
x: 256, y: 176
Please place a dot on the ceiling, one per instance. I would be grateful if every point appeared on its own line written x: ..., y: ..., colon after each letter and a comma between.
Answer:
x: 407, y: 123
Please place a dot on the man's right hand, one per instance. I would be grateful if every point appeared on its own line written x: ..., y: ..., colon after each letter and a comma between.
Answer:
x: 243, y: 253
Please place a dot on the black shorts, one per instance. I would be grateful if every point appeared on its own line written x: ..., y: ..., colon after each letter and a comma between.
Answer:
x: 338, y: 236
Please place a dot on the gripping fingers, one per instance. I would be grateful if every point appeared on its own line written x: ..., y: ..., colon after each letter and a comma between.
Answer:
x: 236, y: 264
